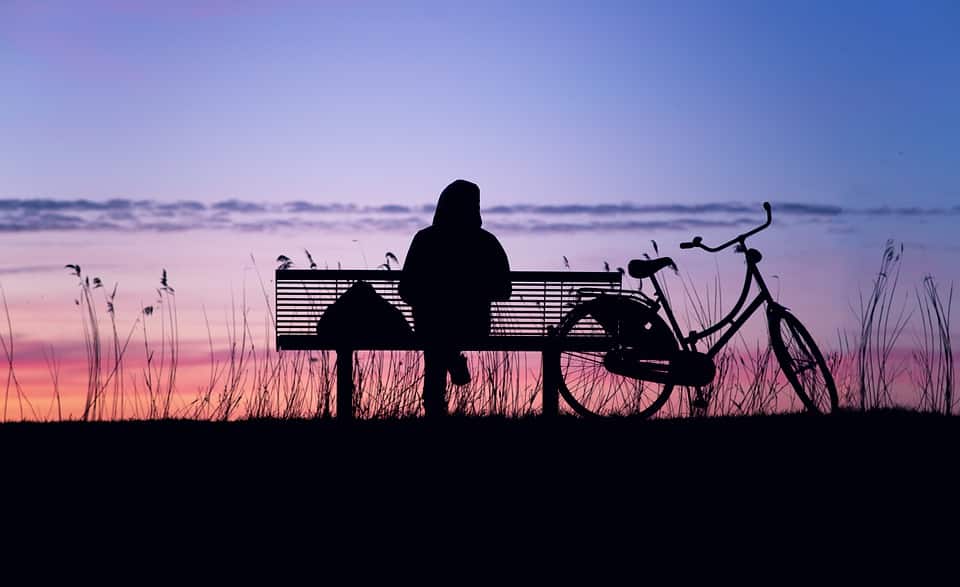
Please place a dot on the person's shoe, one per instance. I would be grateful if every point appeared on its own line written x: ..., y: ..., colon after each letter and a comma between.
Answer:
x: 459, y: 373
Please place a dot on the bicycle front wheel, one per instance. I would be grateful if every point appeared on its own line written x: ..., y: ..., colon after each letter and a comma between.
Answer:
x: 586, y: 384
x: 801, y: 361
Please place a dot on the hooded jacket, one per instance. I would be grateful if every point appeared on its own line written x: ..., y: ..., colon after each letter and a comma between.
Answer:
x: 454, y: 269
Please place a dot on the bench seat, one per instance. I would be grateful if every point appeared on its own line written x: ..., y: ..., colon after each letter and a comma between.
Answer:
x: 523, y: 323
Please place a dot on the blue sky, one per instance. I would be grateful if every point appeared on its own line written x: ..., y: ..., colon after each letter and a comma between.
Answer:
x: 850, y: 103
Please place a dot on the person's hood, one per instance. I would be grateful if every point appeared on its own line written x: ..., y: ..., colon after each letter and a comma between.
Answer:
x: 459, y: 206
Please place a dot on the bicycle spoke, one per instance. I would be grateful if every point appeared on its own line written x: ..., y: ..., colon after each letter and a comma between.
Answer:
x: 803, y: 366
x: 605, y: 392
x: 587, y: 357
x: 587, y: 386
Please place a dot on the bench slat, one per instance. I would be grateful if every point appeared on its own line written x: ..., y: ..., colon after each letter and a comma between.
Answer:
x: 383, y: 275
x: 539, y: 300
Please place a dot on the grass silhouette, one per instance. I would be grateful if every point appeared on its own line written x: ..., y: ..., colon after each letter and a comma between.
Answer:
x: 249, y: 379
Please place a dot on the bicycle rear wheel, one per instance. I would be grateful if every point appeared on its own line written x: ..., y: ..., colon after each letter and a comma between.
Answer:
x: 801, y: 361
x: 585, y: 383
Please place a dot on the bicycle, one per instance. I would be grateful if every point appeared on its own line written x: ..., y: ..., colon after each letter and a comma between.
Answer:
x: 642, y: 358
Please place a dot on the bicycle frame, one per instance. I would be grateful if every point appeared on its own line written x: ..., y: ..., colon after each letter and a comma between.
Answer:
x: 639, y: 348
x: 734, y: 319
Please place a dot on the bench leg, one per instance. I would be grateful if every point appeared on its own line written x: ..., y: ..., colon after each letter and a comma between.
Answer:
x: 344, y: 384
x: 550, y: 361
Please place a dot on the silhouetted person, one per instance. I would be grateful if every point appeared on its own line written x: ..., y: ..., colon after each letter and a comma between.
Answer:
x: 452, y: 272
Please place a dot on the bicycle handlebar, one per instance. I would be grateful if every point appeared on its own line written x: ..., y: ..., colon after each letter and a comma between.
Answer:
x: 697, y: 241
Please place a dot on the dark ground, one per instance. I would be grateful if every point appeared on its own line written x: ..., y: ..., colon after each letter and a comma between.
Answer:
x: 842, y: 477
x: 744, y: 453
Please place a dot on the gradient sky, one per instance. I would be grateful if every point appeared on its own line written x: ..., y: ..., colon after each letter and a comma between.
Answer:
x: 851, y: 102
x: 846, y: 111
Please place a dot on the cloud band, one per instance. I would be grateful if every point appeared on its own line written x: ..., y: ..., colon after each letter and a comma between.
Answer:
x: 129, y: 215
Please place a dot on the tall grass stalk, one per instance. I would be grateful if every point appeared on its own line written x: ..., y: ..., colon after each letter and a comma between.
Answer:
x: 882, y: 322
x: 843, y: 364
x: 12, y: 381
x: 933, y: 373
x: 248, y: 378
x: 704, y: 310
x: 53, y: 368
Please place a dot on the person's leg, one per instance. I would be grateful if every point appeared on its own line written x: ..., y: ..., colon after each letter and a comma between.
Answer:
x: 457, y: 365
x: 435, y: 382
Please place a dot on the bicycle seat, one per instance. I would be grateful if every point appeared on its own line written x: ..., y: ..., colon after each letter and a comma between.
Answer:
x: 642, y: 268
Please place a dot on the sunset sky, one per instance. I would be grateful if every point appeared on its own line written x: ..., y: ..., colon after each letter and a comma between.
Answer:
x: 208, y: 137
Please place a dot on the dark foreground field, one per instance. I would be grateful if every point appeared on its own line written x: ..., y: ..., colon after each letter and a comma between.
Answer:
x: 460, y: 454
x: 786, y: 474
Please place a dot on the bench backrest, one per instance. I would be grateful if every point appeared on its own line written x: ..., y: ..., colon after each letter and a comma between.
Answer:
x: 539, y: 300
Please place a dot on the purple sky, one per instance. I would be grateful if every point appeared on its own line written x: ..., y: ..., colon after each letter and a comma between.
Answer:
x: 376, y: 102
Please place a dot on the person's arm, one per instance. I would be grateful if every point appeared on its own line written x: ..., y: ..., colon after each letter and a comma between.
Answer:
x: 411, y: 277
x: 500, y: 284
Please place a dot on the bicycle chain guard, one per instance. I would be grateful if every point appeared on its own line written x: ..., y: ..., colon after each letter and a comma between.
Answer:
x: 687, y: 368
x: 646, y: 348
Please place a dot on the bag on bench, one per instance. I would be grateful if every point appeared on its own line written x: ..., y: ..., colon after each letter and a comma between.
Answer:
x: 361, y: 314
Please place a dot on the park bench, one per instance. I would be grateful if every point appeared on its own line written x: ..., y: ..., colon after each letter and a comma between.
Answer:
x: 525, y: 322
